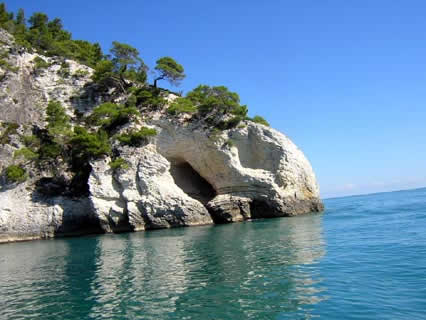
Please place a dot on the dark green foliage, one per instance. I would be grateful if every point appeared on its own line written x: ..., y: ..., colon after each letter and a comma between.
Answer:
x: 167, y: 68
x: 31, y: 141
x: 119, y: 163
x: 217, y: 98
x: 150, y: 98
x: 58, y: 120
x: 261, y: 120
x: 87, y: 145
x: 136, y: 138
x: 4, y: 15
x: 15, y: 173
x: 124, y: 64
x: 240, y: 111
x: 181, y: 105
x: 48, y: 37
x: 25, y: 153
x: 11, y: 128
x: 64, y: 71
x: 80, y: 73
x: 49, y: 150
x: 110, y: 115
x: 230, y: 123
x: 124, y: 56
x: 104, y: 70
x: 40, y: 64
x: 131, y: 101
x: 4, y: 55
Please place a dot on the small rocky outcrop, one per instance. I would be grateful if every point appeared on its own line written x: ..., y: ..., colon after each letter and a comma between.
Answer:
x: 186, y: 175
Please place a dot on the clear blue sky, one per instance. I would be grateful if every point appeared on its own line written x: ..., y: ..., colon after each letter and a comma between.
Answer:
x: 345, y: 80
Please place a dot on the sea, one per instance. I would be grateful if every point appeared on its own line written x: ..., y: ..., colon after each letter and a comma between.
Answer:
x: 363, y: 258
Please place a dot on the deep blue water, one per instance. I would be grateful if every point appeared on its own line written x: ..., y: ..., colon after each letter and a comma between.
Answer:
x: 364, y: 258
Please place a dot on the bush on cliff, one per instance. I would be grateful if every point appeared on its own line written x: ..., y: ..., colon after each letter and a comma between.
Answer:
x: 48, y: 37
x: 261, y: 120
x: 15, y: 173
x: 136, y: 138
x: 119, y: 163
x: 110, y: 115
x: 181, y: 105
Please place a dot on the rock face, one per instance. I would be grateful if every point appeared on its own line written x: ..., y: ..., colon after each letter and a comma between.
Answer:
x: 183, y: 175
x: 186, y: 175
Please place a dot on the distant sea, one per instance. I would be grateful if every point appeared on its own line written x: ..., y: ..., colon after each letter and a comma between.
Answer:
x: 364, y: 258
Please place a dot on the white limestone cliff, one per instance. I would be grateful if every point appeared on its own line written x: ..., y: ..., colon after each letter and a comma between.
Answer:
x: 186, y: 175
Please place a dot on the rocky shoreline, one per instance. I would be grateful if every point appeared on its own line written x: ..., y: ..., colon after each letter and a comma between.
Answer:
x: 186, y: 175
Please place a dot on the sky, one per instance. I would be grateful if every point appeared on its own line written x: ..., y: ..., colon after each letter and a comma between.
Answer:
x: 345, y: 80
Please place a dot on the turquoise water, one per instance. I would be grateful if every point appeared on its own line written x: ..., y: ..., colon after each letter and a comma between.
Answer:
x: 364, y: 258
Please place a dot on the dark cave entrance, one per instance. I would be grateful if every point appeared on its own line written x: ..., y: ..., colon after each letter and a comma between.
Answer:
x: 191, y: 182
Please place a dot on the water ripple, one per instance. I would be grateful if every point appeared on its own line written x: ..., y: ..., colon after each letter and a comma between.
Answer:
x: 364, y: 259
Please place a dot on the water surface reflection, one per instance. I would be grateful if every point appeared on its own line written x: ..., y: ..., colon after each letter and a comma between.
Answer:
x: 255, y: 270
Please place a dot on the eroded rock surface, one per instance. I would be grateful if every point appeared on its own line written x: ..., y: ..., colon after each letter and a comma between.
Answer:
x: 186, y: 175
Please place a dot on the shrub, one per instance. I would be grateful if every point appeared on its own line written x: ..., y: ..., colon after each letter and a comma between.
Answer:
x: 261, y: 120
x: 229, y: 143
x: 80, y: 73
x: 87, y: 145
x: 56, y: 115
x: 50, y: 150
x: 31, y: 141
x: 119, y: 163
x: 104, y: 69
x: 15, y: 173
x: 40, y: 64
x: 11, y: 128
x: 136, y: 138
x: 110, y: 115
x: 64, y: 71
x: 181, y: 105
x: 218, y: 98
x: 151, y: 98
x: 25, y: 153
x: 230, y: 123
x: 6, y: 65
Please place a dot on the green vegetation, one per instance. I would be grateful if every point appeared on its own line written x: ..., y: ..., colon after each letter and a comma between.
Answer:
x: 218, y: 99
x: 25, y: 153
x: 125, y: 63
x: 119, y: 163
x: 10, y: 129
x: 4, y: 64
x: 48, y: 37
x: 87, y: 145
x: 58, y: 120
x: 136, y: 138
x: 181, y: 105
x: 261, y: 120
x: 31, y: 141
x: 80, y: 73
x: 149, y: 98
x: 229, y: 143
x: 15, y: 173
x: 110, y: 115
x: 120, y: 74
x: 64, y: 71
x: 40, y: 64
x: 167, y: 68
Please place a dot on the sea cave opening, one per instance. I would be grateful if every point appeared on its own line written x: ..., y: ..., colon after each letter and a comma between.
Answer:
x: 190, y: 181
